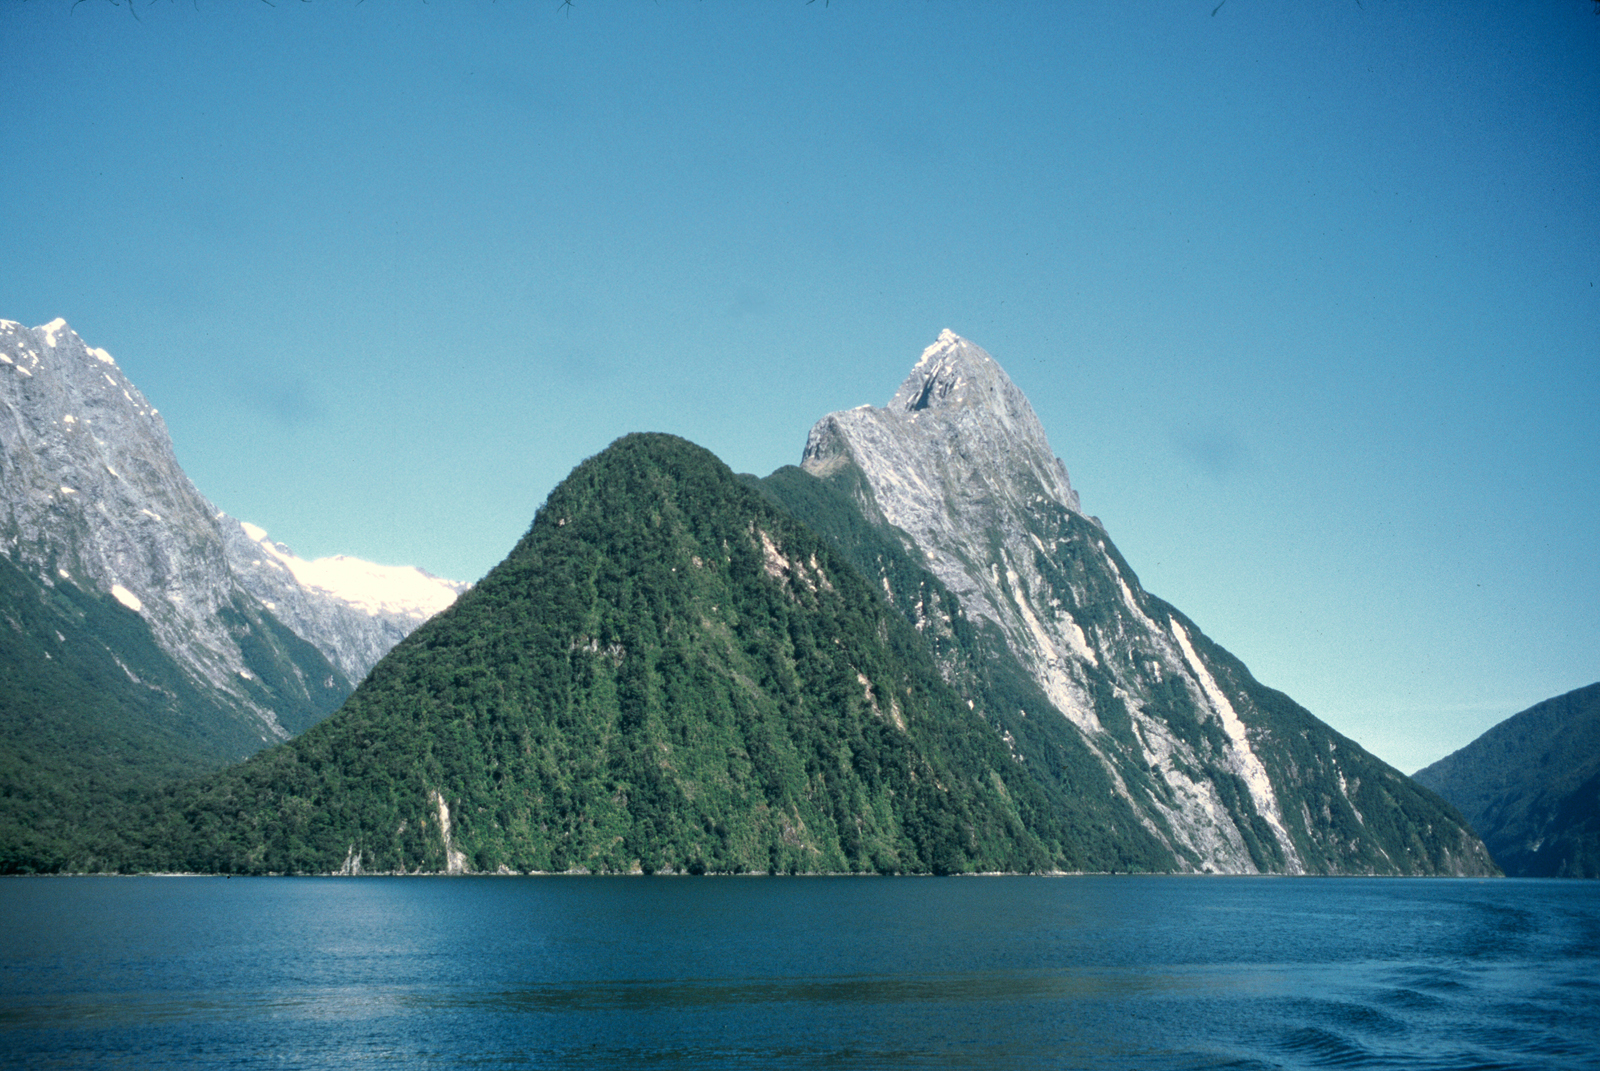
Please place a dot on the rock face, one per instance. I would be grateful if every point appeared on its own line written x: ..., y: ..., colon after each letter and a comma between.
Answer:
x: 1232, y: 777
x: 958, y: 461
x: 1530, y: 786
x: 91, y: 495
x: 144, y: 636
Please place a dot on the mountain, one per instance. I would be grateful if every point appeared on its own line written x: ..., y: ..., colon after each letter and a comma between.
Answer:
x: 145, y: 634
x: 1530, y: 786
x: 667, y: 673
x: 354, y: 611
x: 914, y: 653
x: 1228, y: 775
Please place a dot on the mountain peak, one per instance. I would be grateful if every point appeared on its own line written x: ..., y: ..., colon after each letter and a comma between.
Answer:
x: 957, y: 419
x: 958, y: 452
x: 1228, y: 775
x: 950, y: 372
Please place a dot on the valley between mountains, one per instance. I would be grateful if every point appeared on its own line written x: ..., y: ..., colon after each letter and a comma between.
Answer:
x: 911, y: 653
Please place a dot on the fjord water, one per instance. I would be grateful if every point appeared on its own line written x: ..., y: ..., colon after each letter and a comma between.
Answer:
x: 1083, y: 972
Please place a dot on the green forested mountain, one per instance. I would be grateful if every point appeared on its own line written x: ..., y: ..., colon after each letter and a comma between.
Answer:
x: 667, y: 673
x: 1530, y: 786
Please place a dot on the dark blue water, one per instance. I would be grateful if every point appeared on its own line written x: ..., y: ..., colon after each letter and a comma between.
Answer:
x: 799, y: 972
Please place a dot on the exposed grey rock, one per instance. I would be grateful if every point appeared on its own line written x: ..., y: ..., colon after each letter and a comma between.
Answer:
x: 91, y: 494
x: 959, y: 463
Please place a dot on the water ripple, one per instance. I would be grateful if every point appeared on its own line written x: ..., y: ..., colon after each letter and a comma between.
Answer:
x: 1094, y: 974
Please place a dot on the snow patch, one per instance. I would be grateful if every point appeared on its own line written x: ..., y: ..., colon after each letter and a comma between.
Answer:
x: 52, y: 329
x: 68, y: 490
x: 126, y: 598
x: 947, y: 340
x: 374, y: 589
x: 102, y: 356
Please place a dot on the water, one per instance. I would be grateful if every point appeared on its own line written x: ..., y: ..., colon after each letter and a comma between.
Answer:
x: 799, y: 972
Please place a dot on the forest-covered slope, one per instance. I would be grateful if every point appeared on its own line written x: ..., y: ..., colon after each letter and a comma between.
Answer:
x: 666, y: 673
x: 1530, y: 786
x: 1343, y: 810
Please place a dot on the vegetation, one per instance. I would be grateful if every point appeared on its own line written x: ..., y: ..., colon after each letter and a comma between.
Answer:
x: 678, y: 670
x: 94, y: 714
x: 1353, y: 815
x: 1098, y: 829
x: 1530, y: 786
x: 666, y: 674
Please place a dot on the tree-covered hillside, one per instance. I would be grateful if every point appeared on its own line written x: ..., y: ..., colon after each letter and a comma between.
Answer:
x: 1530, y: 786
x: 667, y: 672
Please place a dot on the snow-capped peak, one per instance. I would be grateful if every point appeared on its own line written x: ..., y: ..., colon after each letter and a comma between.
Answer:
x: 375, y: 589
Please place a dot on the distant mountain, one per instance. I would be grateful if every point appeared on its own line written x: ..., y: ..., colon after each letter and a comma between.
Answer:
x: 353, y: 611
x: 915, y: 653
x: 1228, y: 775
x: 1530, y: 786
x: 143, y: 634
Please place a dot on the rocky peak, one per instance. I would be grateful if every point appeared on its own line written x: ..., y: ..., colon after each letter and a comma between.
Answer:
x: 957, y: 451
x: 959, y: 403
x: 953, y: 373
x: 91, y: 493
x: 354, y: 611
x: 959, y: 463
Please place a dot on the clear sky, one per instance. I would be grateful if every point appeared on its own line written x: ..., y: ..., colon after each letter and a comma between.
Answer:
x: 1304, y: 294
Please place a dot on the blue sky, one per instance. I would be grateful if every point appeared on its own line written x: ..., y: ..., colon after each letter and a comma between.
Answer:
x: 1305, y: 295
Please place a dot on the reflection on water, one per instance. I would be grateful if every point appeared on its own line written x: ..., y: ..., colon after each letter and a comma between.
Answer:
x: 758, y: 972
